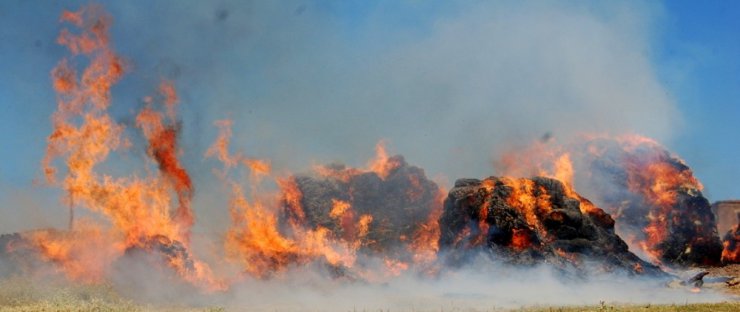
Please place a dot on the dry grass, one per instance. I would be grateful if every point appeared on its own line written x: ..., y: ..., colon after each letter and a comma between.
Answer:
x: 698, y: 307
x: 21, y: 295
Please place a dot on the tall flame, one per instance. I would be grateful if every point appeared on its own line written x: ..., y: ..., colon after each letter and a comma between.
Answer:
x: 84, y: 135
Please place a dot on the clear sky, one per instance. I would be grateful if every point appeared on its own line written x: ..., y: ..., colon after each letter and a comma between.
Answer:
x: 447, y: 85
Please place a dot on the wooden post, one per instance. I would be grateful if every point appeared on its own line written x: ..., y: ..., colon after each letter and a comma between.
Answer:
x: 71, y: 214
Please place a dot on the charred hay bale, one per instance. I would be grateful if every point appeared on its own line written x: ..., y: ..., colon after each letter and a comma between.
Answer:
x: 18, y: 255
x: 529, y: 221
x: 10, y: 246
x: 395, y: 205
x: 161, y: 250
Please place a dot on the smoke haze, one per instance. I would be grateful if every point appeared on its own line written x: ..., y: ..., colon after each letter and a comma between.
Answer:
x: 309, y: 83
x: 449, y: 86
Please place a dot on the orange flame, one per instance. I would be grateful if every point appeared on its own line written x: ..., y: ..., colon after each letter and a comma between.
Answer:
x: 425, y: 242
x: 83, y: 255
x: 339, y: 207
x: 255, y: 239
x: 731, y: 244
x: 163, y: 148
x: 520, y: 240
x: 647, y: 173
x: 84, y: 134
x: 382, y: 164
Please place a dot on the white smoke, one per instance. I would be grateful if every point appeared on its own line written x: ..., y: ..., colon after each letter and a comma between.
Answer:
x: 484, y: 286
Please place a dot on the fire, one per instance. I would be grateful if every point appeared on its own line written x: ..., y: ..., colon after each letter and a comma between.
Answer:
x: 375, y: 202
x: 162, y: 148
x: 563, y: 170
x: 661, y: 180
x: 530, y: 200
x: 363, y: 228
x: 272, y: 233
x: 395, y: 267
x: 256, y: 242
x: 259, y: 168
x: 255, y: 239
x: 83, y: 254
x: 425, y: 244
x: 292, y: 197
x: 382, y: 164
x: 652, y: 193
x: 520, y: 239
x: 337, y: 216
x: 731, y: 244
x: 338, y: 208
x: 525, y: 219
x: 139, y: 209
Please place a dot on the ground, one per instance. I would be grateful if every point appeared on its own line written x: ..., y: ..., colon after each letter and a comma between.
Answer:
x: 708, y: 307
x: 728, y: 270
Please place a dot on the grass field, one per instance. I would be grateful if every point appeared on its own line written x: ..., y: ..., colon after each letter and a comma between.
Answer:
x: 22, y: 295
x: 702, y: 307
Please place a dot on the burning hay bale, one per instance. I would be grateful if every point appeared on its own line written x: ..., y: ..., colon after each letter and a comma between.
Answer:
x: 731, y: 244
x: 169, y: 252
x: 529, y: 221
x: 15, y: 254
x: 656, y: 200
x: 653, y: 195
x: 380, y: 212
x: 351, y: 220
x: 77, y: 255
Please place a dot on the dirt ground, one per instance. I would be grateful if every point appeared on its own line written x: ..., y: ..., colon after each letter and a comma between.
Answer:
x: 731, y: 286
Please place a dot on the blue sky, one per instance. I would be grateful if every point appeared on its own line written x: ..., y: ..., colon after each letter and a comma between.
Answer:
x: 326, y: 79
x: 698, y: 61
